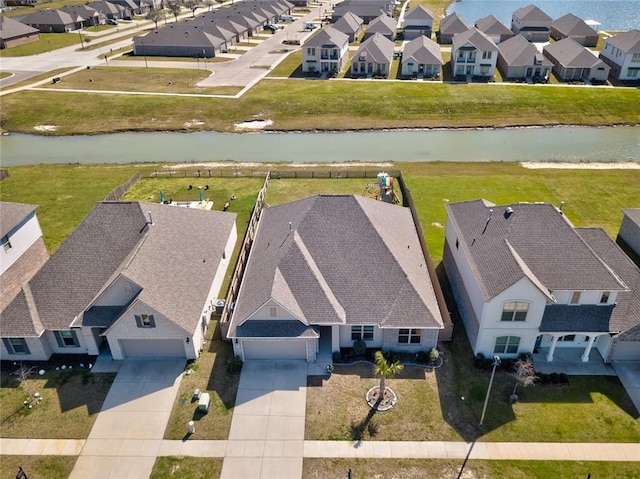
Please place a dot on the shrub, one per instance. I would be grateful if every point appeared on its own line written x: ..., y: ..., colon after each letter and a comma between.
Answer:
x: 359, y: 347
x: 434, y: 355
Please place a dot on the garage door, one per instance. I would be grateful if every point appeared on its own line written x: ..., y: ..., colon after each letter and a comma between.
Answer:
x: 270, y: 349
x: 626, y: 351
x: 152, y: 348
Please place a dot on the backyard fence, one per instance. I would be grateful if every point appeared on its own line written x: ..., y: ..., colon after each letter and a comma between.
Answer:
x: 119, y: 191
x: 273, y: 174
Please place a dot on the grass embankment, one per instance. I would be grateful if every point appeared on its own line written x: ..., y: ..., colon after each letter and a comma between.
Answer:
x: 332, y: 105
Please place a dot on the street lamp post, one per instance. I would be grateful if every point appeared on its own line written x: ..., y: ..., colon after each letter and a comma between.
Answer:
x: 496, y: 363
x: 144, y: 53
x: 81, y: 40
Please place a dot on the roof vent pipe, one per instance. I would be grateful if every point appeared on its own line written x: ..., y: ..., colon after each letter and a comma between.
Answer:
x: 290, y: 227
x: 150, y: 222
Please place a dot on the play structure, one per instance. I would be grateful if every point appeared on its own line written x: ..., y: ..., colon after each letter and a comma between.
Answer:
x: 201, y: 204
x: 382, y: 189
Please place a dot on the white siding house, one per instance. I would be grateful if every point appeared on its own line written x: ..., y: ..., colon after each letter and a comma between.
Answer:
x: 622, y: 53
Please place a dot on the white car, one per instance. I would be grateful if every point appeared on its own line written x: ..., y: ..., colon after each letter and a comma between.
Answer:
x: 310, y: 26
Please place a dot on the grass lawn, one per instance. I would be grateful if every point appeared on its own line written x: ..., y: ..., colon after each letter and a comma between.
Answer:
x: 51, y: 467
x: 187, y: 467
x: 47, y: 42
x: 289, y: 67
x: 209, y: 374
x: 70, y: 402
x: 316, y: 468
x: 332, y: 105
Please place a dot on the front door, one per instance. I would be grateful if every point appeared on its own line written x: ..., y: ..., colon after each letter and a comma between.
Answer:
x: 528, y: 74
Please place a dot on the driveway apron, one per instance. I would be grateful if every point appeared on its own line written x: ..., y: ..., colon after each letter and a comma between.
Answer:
x: 266, y: 439
x: 127, y: 434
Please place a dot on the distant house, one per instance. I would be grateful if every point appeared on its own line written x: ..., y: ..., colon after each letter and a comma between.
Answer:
x: 132, y: 8
x: 622, y: 53
x: 51, y: 21
x: 189, y: 39
x: 349, y: 24
x: 330, y: 270
x: 14, y: 33
x: 374, y: 57
x: 494, y: 29
x: 527, y: 281
x: 450, y: 26
x: 365, y: 9
x: 384, y: 25
x: 108, y: 9
x: 84, y: 16
x: 629, y: 233
x: 418, y: 22
x: 532, y: 23
x: 421, y: 57
x: 325, y: 52
x: 473, y: 54
x: 572, y: 61
x: 570, y: 26
x: 520, y: 59
x: 112, y: 285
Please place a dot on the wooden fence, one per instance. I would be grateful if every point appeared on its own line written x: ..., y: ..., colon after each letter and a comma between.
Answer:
x: 119, y: 191
x: 273, y: 174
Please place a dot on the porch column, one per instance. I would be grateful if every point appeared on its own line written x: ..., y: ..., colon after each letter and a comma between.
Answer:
x: 552, y: 349
x: 587, y: 350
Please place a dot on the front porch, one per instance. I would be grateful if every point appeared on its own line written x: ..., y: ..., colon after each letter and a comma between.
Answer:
x: 569, y: 361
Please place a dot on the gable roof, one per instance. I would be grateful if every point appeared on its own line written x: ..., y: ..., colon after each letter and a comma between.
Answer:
x: 532, y: 13
x: 383, y: 24
x: 10, y: 28
x: 377, y: 49
x: 80, y: 13
x: 626, y: 314
x: 633, y: 214
x: 328, y: 36
x: 13, y: 214
x: 535, y: 241
x: 572, y: 25
x: 348, y: 23
x: 452, y: 24
x: 628, y: 42
x: 490, y: 25
x: 339, y: 259
x: 422, y: 50
x: 48, y: 17
x: 518, y: 52
x: 419, y: 13
x: 106, y: 7
x: 116, y: 239
x: 570, y: 53
x: 476, y: 38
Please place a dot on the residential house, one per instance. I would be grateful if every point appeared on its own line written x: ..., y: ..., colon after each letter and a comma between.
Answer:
x: 418, y: 22
x: 622, y: 53
x: 188, y: 39
x: 325, y: 52
x: 494, y: 29
x: 108, y: 9
x: 84, y: 16
x: 629, y: 233
x: 139, y: 279
x: 14, y: 33
x: 374, y: 57
x: 384, y: 25
x: 520, y: 59
x: 421, y: 58
x: 450, y: 26
x: 570, y: 26
x: 349, y: 24
x: 365, y: 9
x: 532, y: 23
x: 131, y: 8
x: 526, y: 281
x: 571, y: 61
x: 330, y: 270
x: 473, y: 54
x: 50, y: 21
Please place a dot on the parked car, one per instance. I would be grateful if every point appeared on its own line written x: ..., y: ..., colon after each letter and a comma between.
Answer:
x: 112, y: 21
x: 310, y: 26
x: 286, y: 18
x: 271, y: 27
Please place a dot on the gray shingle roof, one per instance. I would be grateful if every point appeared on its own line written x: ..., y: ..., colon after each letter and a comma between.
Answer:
x: 531, y: 13
x: 376, y: 49
x: 346, y: 260
x: 534, y: 241
x: 628, y: 42
x: 422, y: 50
x: 633, y: 214
x: 383, y: 24
x: 48, y: 17
x: 490, y: 25
x: 571, y: 54
x: 328, y: 36
x: 174, y: 261
x: 518, y: 52
x: 452, y: 24
x: 572, y: 25
x: 584, y: 318
x: 626, y: 314
x: 10, y: 28
x: 276, y: 329
x: 419, y: 13
x: 349, y: 23
x: 476, y: 38
x: 12, y: 214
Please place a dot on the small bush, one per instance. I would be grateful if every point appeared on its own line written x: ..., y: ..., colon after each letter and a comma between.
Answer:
x: 359, y: 347
x: 434, y: 355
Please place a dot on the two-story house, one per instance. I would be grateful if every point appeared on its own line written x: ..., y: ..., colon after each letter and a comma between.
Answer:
x: 525, y: 280
x: 325, y: 52
x: 622, y: 53
x: 473, y: 54
x: 532, y: 23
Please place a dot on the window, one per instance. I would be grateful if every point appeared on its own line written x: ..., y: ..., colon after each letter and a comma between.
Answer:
x: 409, y: 336
x: 486, y: 55
x: 311, y: 52
x: 16, y: 345
x: 364, y: 333
x: 568, y: 338
x: 6, y: 244
x: 506, y: 345
x: 633, y: 72
x: 273, y: 312
x: 514, y: 311
x: 145, y: 321
x: 67, y: 339
x: 604, y: 299
x: 575, y: 297
x: 635, y: 58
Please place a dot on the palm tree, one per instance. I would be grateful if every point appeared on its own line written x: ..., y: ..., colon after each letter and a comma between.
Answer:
x: 384, y: 370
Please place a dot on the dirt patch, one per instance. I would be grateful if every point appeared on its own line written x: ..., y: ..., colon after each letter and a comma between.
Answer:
x: 253, y: 124
x: 45, y: 127
x: 192, y: 123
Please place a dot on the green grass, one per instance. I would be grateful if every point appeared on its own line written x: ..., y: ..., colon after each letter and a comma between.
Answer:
x: 47, y: 42
x: 5, y: 74
x: 332, y: 105
x: 289, y: 67
x: 316, y: 468
x: 187, y: 467
x: 51, y: 467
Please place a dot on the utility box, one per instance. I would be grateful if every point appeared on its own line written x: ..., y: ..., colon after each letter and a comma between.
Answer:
x: 204, y: 402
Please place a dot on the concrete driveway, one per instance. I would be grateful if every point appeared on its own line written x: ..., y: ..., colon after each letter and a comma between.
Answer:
x: 127, y: 434
x: 266, y: 439
x: 629, y: 375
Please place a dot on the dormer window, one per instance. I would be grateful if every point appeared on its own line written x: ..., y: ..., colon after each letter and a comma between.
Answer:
x: 145, y: 321
x: 604, y: 299
x: 273, y: 312
x: 6, y: 244
x: 575, y: 297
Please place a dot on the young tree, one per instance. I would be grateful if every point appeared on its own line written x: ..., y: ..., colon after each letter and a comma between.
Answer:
x: 22, y: 374
x: 155, y: 15
x: 384, y: 370
x: 209, y: 3
x: 174, y: 8
x: 192, y: 5
x: 525, y: 374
